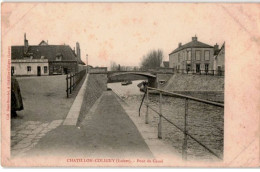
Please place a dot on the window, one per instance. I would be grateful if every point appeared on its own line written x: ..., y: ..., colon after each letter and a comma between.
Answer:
x: 29, y: 68
x: 206, y: 68
x: 45, y: 69
x: 198, y: 55
x: 179, y: 57
x: 206, y: 54
x: 188, y: 67
x: 189, y: 55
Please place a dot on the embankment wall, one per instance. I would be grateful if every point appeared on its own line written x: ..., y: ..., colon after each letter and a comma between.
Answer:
x: 96, y: 84
x: 200, y: 86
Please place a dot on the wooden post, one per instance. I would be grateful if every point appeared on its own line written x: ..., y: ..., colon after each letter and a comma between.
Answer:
x: 160, y: 118
x: 67, y: 85
x: 184, y: 146
x: 70, y: 83
x: 147, y: 106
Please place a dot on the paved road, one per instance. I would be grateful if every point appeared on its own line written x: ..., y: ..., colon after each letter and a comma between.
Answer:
x: 107, y: 131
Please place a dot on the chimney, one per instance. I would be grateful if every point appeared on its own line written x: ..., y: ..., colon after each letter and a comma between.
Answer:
x: 194, y: 38
x: 78, y: 50
x: 180, y: 45
x: 216, y: 47
x: 26, y: 44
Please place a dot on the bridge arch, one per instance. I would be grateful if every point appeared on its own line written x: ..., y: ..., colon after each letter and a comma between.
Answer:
x: 146, y: 74
x: 151, y: 77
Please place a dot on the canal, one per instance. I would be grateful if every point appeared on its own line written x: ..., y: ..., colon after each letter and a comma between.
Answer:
x: 204, y: 122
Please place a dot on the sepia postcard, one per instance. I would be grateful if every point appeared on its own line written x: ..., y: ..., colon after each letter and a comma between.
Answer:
x: 130, y: 84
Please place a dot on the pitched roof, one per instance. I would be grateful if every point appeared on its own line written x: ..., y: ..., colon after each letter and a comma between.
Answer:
x: 192, y: 44
x: 43, y: 43
x: 48, y: 51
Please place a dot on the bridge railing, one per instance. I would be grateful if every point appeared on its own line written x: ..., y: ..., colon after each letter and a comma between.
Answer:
x: 149, y: 70
x: 184, y: 129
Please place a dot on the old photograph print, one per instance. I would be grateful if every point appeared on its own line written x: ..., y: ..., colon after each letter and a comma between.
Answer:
x: 130, y: 84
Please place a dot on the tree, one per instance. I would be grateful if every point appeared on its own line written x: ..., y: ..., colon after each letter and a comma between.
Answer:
x: 152, y: 59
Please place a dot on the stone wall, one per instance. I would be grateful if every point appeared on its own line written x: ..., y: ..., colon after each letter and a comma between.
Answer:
x: 62, y: 67
x: 97, y: 83
x: 98, y: 70
x: 200, y: 86
x: 162, y: 79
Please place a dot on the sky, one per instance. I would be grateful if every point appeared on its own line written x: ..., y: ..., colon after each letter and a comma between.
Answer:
x: 122, y: 32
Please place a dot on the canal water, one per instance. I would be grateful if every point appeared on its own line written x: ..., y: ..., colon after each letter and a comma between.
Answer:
x: 204, y: 122
x: 126, y: 90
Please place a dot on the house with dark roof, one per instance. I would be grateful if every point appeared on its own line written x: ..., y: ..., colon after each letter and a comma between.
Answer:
x: 44, y: 59
x: 194, y: 56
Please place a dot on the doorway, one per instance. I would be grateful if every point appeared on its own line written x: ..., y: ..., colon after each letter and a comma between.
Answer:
x: 38, y: 70
x: 219, y: 70
x: 197, y: 68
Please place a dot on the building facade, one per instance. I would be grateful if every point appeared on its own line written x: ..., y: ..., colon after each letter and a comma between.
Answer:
x: 32, y: 67
x: 193, y: 57
x: 44, y: 59
x: 219, y: 61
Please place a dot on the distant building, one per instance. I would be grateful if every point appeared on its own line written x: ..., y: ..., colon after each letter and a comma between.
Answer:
x: 44, y: 59
x: 219, y: 60
x: 165, y: 64
x: 194, y: 57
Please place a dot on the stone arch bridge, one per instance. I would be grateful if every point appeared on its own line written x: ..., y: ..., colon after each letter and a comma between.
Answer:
x: 153, y: 77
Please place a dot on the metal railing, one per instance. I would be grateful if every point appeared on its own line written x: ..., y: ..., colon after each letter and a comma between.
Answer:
x: 72, y: 80
x: 184, y: 131
x: 202, y: 72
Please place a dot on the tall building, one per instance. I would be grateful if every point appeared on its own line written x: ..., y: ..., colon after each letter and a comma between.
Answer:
x: 193, y: 56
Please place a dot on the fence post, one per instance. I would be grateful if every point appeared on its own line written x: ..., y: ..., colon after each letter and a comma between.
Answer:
x: 160, y: 118
x: 70, y: 83
x: 184, y: 146
x: 67, y: 86
x: 76, y: 78
x: 73, y: 81
x: 147, y: 106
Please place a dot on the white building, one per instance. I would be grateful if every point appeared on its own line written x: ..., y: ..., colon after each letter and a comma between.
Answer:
x: 24, y: 67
